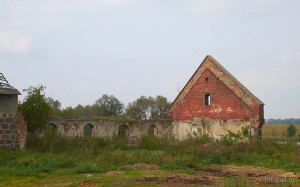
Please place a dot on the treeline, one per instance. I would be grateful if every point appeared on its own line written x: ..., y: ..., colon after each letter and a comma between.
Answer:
x: 143, y: 108
x: 37, y: 108
x: 283, y: 121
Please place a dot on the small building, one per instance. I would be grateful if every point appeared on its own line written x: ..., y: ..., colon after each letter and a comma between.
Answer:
x: 214, y: 102
x: 12, y: 125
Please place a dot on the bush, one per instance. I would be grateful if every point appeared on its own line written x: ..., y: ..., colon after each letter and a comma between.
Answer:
x: 291, y: 130
x: 214, y: 158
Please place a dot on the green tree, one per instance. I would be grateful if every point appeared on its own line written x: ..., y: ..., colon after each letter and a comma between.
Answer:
x: 145, y: 108
x: 88, y: 111
x: 140, y: 108
x: 291, y: 130
x: 35, y: 108
x: 55, y: 107
x: 78, y: 111
x: 109, y: 105
x: 68, y: 112
x: 159, y: 107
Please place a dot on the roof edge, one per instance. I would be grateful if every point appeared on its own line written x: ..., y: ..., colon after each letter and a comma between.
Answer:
x: 235, y: 80
x: 226, y: 72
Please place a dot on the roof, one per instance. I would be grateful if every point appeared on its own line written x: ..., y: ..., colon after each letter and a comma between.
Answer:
x: 6, y: 88
x: 244, y: 94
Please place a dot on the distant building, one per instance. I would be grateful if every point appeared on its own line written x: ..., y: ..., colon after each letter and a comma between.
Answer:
x: 215, y: 102
x: 12, y: 125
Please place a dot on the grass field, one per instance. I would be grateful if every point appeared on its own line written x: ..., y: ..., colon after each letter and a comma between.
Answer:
x: 278, y: 131
x: 87, y: 161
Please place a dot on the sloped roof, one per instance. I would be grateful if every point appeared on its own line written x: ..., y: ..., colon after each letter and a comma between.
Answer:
x: 6, y: 88
x: 223, y: 75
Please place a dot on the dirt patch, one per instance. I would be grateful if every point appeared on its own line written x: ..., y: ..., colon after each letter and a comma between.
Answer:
x: 257, y: 175
x: 86, y: 175
x: 214, y: 175
x: 88, y: 184
x: 114, y: 173
x: 141, y: 166
x: 178, y: 179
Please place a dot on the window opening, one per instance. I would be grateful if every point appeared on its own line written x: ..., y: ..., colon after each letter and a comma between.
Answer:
x: 207, y: 99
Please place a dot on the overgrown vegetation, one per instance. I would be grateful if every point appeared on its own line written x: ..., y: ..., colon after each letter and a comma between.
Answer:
x: 291, y: 130
x: 52, y: 156
x: 37, y: 108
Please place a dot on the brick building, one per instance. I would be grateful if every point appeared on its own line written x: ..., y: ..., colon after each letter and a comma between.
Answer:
x: 12, y: 125
x: 214, y: 97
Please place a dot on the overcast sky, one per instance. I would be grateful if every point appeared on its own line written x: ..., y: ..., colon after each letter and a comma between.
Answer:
x: 81, y: 49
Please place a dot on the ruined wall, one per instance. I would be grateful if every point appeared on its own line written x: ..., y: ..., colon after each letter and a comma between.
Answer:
x: 231, y: 106
x: 8, y: 104
x: 13, y: 131
x: 108, y: 128
x: 213, y: 128
x: 134, y: 130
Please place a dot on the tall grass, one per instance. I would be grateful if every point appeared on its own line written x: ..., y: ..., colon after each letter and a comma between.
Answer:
x: 152, y: 150
x: 65, y: 155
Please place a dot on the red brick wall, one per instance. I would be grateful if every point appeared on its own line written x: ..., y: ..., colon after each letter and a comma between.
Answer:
x: 13, y: 131
x: 225, y: 104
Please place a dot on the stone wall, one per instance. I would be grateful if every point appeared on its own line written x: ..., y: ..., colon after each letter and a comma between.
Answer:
x: 13, y: 131
x: 134, y: 130
x: 109, y: 128
x: 213, y: 128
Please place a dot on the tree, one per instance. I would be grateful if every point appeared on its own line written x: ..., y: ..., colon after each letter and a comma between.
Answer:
x: 55, y: 107
x: 68, y: 112
x: 35, y: 108
x: 291, y: 130
x: 109, y: 105
x: 140, y: 108
x: 160, y: 107
x: 145, y: 108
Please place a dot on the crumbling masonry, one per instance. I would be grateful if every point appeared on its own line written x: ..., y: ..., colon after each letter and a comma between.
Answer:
x: 212, y: 102
x: 13, y: 128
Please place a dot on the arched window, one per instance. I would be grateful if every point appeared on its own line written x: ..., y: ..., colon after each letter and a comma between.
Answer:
x: 207, y: 99
x: 51, y: 129
x: 88, y: 129
x: 123, y: 131
x: 152, y: 131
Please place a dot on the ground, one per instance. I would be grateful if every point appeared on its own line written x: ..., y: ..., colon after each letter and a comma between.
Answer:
x: 88, y: 161
x: 151, y: 175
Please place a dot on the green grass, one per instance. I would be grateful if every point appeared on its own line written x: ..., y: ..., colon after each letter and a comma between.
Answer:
x: 63, y: 159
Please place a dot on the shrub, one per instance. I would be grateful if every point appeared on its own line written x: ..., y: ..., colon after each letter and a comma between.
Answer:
x: 291, y: 130
x: 214, y: 158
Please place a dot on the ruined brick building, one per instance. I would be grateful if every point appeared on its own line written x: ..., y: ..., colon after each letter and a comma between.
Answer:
x: 213, y: 102
x: 12, y: 125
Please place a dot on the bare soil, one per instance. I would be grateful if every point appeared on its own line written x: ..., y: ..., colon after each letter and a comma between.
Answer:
x: 215, y: 175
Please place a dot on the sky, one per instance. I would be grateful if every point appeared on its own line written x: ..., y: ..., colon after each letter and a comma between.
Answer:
x: 81, y: 49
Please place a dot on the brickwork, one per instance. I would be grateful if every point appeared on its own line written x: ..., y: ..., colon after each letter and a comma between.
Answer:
x: 230, y: 102
x: 13, y: 128
x: 224, y: 103
x: 12, y: 131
